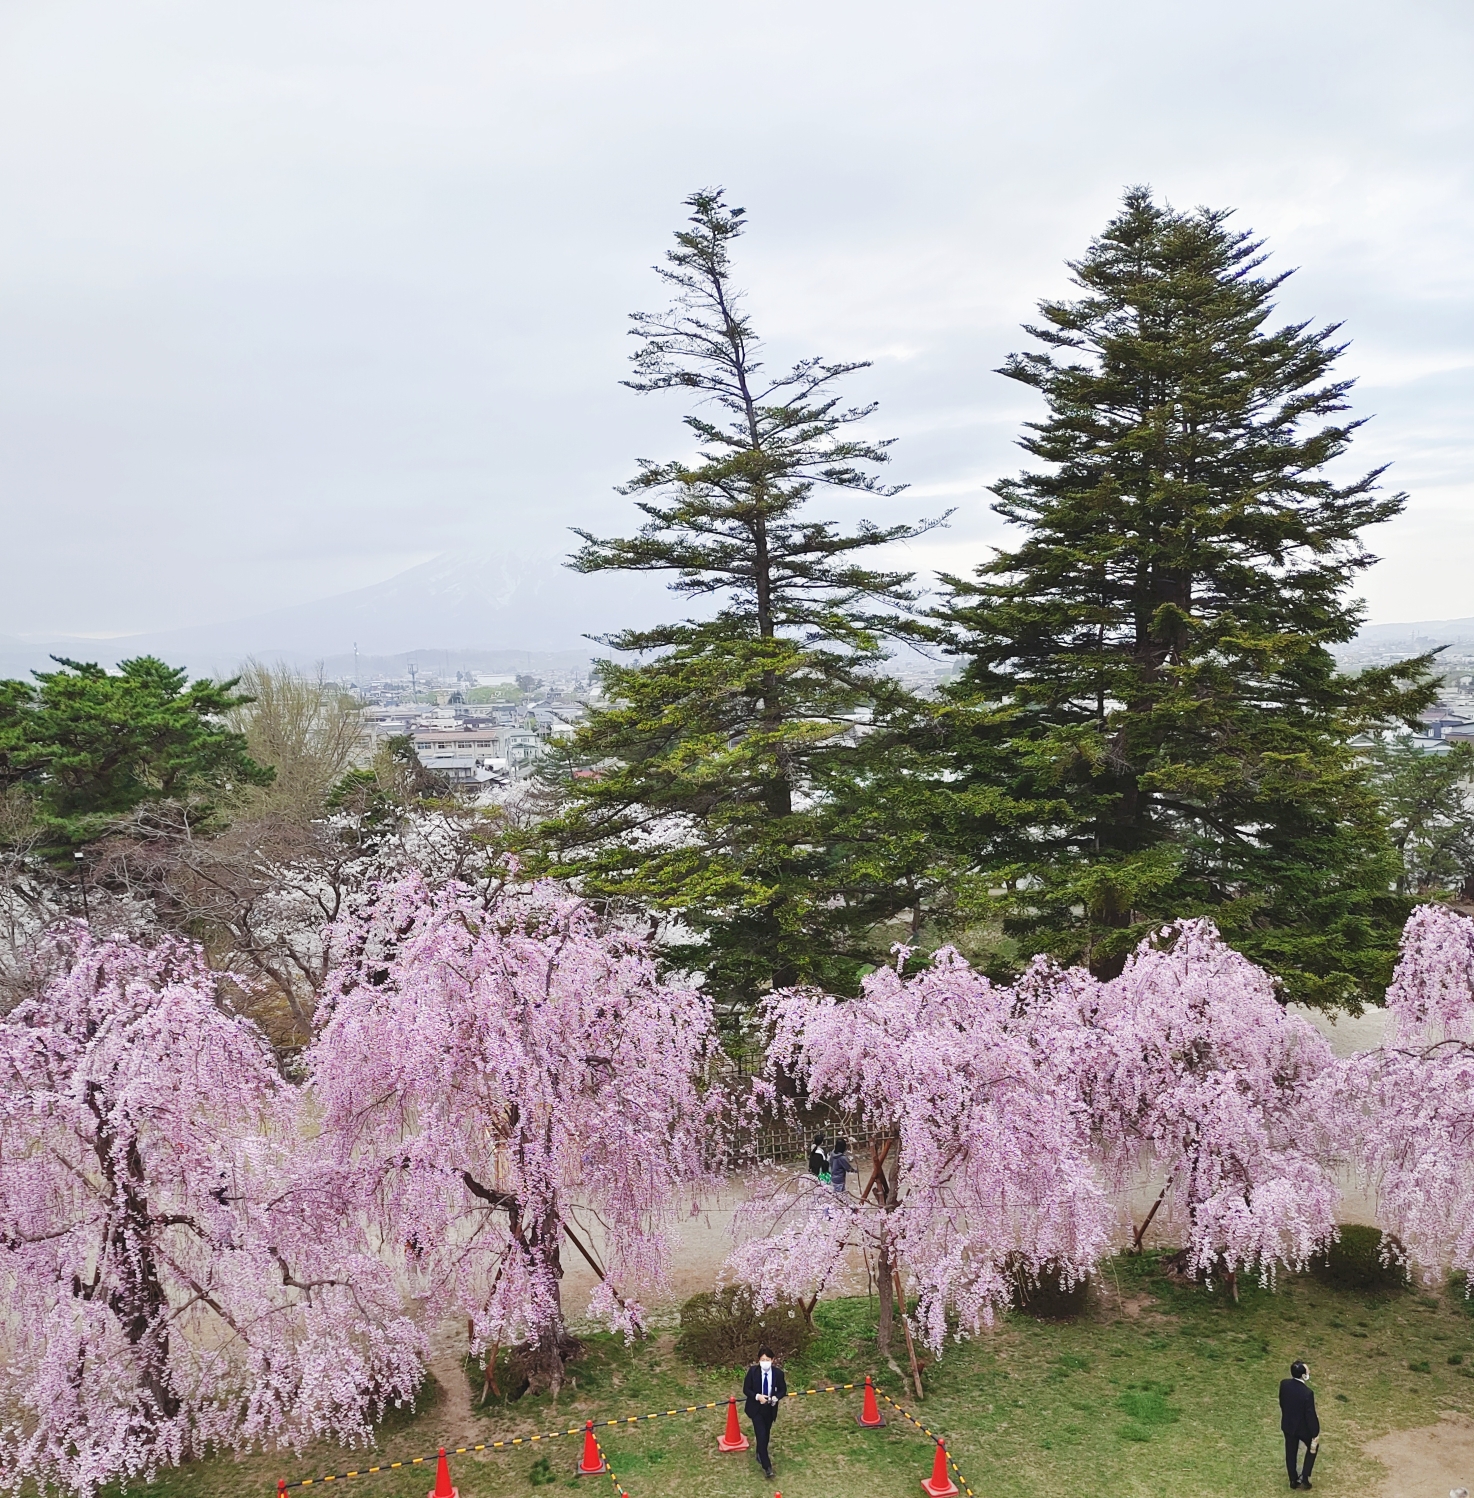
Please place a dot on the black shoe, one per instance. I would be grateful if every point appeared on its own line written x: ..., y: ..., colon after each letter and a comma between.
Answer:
x: 1304, y: 1482
x: 768, y: 1473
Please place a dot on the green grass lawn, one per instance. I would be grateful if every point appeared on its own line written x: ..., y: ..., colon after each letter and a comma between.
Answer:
x: 1161, y: 1389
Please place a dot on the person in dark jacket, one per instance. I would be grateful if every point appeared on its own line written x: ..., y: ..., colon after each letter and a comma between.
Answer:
x: 818, y: 1158
x: 764, y: 1389
x: 1299, y: 1422
x: 839, y: 1166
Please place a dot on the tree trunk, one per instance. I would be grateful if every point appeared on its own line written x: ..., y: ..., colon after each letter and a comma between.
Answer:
x: 885, y: 1274
x: 136, y: 1297
x: 542, y: 1361
x: 886, y: 1189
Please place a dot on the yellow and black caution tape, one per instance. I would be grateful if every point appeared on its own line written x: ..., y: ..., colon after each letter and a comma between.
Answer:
x: 907, y: 1415
x: 547, y: 1435
x: 609, y: 1467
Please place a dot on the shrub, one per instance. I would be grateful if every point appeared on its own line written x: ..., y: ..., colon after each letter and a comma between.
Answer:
x: 1361, y: 1259
x: 724, y: 1329
x: 1046, y: 1296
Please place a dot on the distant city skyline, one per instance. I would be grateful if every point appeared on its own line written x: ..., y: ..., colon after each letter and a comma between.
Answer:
x: 296, y: 298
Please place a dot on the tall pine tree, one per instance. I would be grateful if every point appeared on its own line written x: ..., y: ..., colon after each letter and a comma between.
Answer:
x: 1150, y: 667
x: 699, y: 791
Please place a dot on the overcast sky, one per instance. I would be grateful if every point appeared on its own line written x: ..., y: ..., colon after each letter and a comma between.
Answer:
x: 296, y: 295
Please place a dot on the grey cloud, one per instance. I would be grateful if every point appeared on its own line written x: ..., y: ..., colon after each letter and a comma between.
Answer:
x: 295, y: 296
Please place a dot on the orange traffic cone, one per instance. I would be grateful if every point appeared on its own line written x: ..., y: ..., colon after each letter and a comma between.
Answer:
x: 732, y: 1438
x: 281, y: 1486
x: 591, y: 1463
x: 442, y: 1488
x: 870, y: 1415
x: 939, y: 1484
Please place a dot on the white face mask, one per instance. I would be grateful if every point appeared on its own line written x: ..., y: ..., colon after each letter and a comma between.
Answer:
x: 764, y: 1364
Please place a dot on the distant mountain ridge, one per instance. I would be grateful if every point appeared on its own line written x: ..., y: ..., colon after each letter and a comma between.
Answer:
x: 1437, y: 631
x: 484, y: 609
x: 485, y: 602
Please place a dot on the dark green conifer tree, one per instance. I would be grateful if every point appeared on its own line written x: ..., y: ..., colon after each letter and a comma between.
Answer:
x: 697, y: 792
x: 1426, y: 799
x: 89, y: 746
x: 1150, y: 666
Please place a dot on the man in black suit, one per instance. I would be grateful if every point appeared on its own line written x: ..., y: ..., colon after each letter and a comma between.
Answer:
x: 763, y: 1389
x: 1299, y: 1422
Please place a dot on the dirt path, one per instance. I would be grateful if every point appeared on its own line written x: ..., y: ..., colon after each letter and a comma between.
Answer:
x: 1428, y: 1463
x: 455, y: 1422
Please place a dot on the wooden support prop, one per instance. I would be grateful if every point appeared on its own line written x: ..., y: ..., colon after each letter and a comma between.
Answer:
x: 489, y: 1384
x: 906, y: 1327
x: 1141, y: 1231
x: 593, y: 1263
x: 877, y: 1177
x: 595, y: 1266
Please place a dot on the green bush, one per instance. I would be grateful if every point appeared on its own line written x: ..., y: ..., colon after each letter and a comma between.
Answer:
x: 1356, y: 1261
x: 1046, y: 1296
x: 724, y: 1329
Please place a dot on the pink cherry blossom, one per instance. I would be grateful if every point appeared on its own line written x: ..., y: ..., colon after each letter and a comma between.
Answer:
x: 1190, y: 1066
x: 1431, y: 996
x: 1017, y: 1108
x: 995, y: 1170
x: 168, y: 1289
x: 484, y: 1071
x: 1410, y: 1105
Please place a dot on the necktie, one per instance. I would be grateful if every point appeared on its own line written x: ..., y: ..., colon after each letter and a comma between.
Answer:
x: 767, y: 1383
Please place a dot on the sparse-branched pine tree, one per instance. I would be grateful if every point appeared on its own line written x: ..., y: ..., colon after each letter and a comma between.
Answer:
x: 1426, y: 799
x: 705, y: 800
x: 1150, y: 665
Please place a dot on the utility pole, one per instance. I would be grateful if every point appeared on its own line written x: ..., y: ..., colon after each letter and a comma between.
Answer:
x: 414, y: 690
x: 355, y: 665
